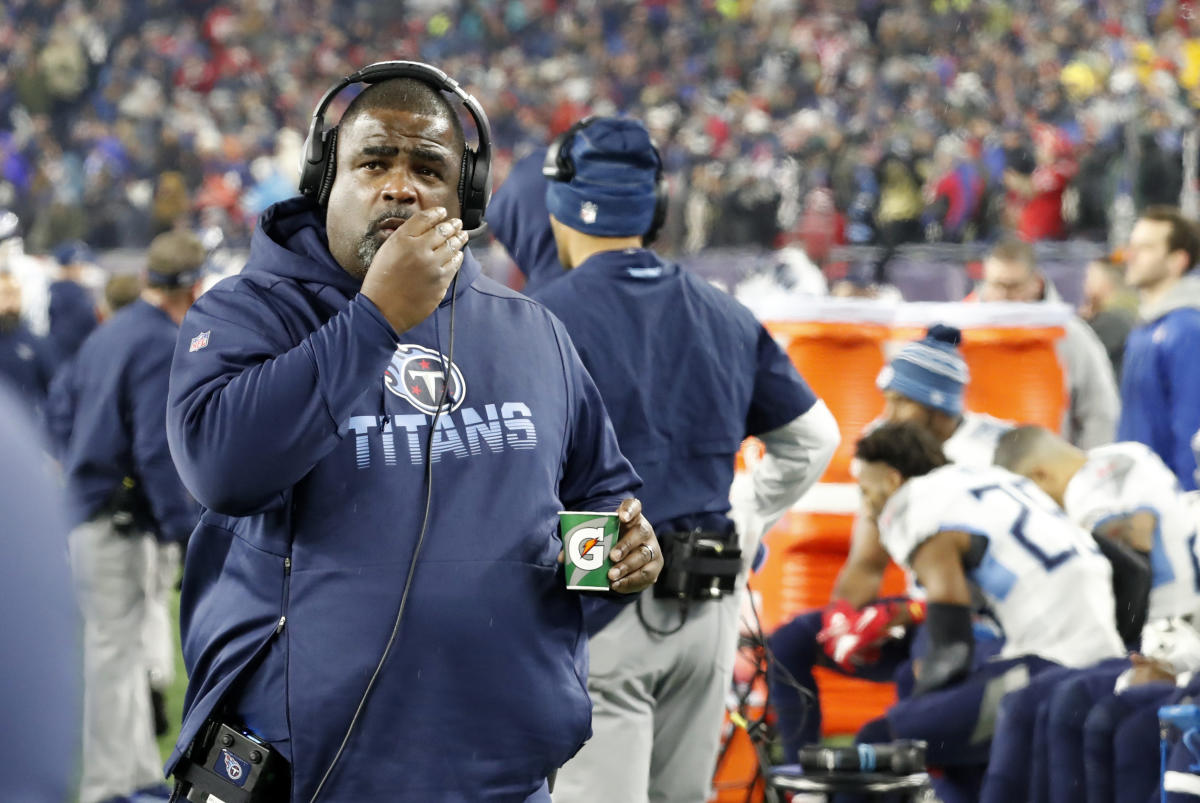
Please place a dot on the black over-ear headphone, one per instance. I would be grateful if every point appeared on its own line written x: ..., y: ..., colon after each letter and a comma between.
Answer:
x: 559, y: 167
x: 320, y: 149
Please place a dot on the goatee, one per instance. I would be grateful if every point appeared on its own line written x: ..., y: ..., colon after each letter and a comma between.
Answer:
x: 371, y: 240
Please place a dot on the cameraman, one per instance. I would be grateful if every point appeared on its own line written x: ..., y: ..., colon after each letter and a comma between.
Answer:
x: 686, y: 374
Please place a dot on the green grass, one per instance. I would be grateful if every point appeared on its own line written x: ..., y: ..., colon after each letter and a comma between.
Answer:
x: 166, y: 742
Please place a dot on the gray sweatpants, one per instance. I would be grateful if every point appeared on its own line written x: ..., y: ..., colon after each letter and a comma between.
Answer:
x: 657, y: 703
x: 110, y: 570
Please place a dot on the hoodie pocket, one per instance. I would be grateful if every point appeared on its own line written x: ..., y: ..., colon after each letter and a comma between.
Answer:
x: 232, y: 614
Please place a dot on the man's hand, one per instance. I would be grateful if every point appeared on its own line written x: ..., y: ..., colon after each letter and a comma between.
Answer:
x: 414, y: 266
x: 852, y: 637
x: 637, y: 557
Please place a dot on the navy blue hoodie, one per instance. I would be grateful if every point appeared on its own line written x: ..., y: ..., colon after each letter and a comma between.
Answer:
x: 521, y: 198
x: 298, y: 418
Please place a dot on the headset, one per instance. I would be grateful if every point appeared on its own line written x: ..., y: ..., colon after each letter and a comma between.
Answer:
x: 319, y: 160
x: 559, y: 167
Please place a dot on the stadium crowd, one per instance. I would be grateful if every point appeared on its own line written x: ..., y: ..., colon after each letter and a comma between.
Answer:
x: 857, y: 122
x: 172, y: 125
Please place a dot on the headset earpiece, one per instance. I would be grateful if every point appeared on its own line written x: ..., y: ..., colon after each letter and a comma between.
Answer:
x: 329, y: 147
x: 319, y: 167
x: 661, y: 202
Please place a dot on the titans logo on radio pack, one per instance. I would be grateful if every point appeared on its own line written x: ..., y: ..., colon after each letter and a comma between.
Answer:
x: 418, y: 375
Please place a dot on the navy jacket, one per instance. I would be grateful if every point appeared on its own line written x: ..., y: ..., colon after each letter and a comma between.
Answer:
x: 520, y: 199
x: 40, y: 675
x: 1160, y: 380
x: 72, y: 316
x: 107, y: 418
x: 299, y: 419
x: 686, y: 373
x: 27, y: 363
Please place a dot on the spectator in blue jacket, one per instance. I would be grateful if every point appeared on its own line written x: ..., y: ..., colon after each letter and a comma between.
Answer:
x: 39, y: 676
x: 382, y: 439
x: 26, y: 360
x: 107, y: 418
x: 1160, y: 382
x: 661, y: 669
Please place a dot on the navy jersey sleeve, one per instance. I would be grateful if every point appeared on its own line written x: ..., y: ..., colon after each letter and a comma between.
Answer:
x: 249, y: 413
x: 173, y: 509
x: 596, y: 476
x: 780, y: 393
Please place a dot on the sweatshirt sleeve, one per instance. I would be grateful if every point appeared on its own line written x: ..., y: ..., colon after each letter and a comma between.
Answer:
x: 249, y: 413
x: 780, y: 393
x: 1183, y: 399
x: 794, y: 458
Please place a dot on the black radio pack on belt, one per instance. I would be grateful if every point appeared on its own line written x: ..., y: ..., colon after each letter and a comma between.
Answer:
x: 232, y: 766
x: 698, y: 565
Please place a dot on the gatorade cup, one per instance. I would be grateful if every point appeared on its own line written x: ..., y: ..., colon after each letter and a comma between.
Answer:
x: 587, y: 539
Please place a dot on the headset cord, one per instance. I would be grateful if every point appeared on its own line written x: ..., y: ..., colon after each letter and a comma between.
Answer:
x: 684, y: 606
x: 447, y: 365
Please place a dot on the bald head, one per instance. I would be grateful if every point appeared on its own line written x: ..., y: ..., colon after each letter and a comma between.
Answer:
x: 410, y: 95
x: 1042, y: 456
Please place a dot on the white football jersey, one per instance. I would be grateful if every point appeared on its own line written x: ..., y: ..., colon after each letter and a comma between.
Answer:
x: 1121, y: 479
x: 1044, y: 579
x: 974, y: 442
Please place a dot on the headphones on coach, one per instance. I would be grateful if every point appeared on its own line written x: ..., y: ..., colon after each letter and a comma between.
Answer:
x: 320, y: 148
x: 559, y: 167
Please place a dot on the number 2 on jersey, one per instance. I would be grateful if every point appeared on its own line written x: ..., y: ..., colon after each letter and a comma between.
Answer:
x: 1049, y: 562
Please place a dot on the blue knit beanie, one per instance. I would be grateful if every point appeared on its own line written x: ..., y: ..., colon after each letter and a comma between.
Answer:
x: 930, y: 371
x: 612, y: 191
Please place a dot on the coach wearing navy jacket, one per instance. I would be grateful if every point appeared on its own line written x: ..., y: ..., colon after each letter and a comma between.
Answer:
x: 106, y: 413
x: 382, y: 450
x: 686, y: 373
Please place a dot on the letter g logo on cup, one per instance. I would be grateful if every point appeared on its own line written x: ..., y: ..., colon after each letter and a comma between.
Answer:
x: 586, y: 548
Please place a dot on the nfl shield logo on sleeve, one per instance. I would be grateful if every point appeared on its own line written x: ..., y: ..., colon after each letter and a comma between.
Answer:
x: 200, y: 341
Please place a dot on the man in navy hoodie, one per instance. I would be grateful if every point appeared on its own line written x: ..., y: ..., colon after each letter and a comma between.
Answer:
x: 106, y: 416
x: 382, y: 439
x: 1160, y: 384
x: 660, y: 671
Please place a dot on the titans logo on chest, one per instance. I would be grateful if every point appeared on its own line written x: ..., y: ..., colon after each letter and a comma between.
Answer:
x: 419, y: 376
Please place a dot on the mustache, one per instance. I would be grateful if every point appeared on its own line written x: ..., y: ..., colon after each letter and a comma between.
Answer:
x: 395, y: 214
